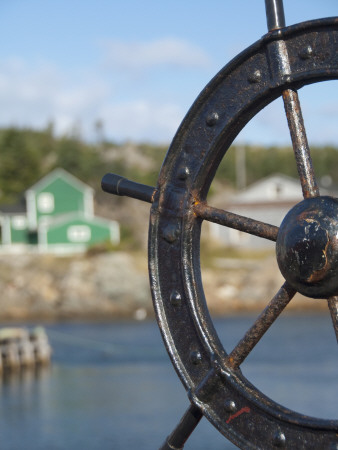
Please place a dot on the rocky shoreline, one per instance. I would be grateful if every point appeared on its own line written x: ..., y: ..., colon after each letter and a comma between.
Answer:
x: 115, y: 285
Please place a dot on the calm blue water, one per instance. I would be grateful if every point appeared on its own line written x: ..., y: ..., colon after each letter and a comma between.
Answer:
x: 111, y: 386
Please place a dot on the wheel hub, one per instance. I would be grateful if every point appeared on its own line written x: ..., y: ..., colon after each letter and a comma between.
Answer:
x: 307, y: 247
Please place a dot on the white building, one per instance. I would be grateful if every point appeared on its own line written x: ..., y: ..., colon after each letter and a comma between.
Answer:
x: 268, y: 200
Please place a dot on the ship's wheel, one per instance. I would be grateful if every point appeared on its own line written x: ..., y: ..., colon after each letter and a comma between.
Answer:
x: 279, y: 64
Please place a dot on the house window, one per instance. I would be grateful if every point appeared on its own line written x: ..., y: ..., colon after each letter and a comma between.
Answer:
x: 46, y: 202
x: 79, y: 233
x: 19, y: 222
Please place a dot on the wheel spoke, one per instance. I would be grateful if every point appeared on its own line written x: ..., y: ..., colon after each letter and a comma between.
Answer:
x: 333, y: 306
x: 300, y: 143
x: 261, y: 325
x: 236, y: 221
x: 186, y: 426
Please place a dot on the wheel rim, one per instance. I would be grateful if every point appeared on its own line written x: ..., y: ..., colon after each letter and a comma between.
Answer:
x: 212, y: 378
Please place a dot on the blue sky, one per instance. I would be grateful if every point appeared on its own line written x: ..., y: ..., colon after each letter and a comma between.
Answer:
x: 138, y: 65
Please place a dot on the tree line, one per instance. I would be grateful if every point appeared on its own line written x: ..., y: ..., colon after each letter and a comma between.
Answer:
x: 27, y: 155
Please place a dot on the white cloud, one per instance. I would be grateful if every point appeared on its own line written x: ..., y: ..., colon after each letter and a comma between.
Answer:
x: 162, y: 52
x: 32, y: 95
x: 142, y: 120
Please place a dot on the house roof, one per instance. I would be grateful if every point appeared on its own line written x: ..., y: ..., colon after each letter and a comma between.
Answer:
x: 274, y: 188
x: 57, y: 173
x: 273, y: 177
x: 18, y: 208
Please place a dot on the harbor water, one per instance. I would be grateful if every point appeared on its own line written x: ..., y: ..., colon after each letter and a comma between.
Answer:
x: 112, y: 386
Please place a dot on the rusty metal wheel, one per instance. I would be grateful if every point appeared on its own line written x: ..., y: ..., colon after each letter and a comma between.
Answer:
x: 283, y: 61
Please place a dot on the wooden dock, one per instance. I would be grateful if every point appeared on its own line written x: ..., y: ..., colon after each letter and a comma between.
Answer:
x: 20, y: 348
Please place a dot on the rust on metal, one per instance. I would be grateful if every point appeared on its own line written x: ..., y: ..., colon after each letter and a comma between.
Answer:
x: 274, y: 14
x: 232, y: 220
x: 300, y: 144
x: 261, y: 325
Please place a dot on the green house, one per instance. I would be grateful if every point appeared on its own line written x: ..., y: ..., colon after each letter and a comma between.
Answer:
x: 56, y: 216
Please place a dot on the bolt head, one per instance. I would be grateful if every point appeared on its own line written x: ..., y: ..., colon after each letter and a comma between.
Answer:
x: 183, y: 173
x: 255, y: 77
x: 212, y: 119
x: 306, y: 53
x: 195, y: 357
x: 230, y: 406
x: 175, y: 298
x: 171, y: 232
x: 279, y: 439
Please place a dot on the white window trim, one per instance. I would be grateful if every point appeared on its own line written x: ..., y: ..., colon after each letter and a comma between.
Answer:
x: 45, y: 202
x: 79, y: 233
x: 19, y: 222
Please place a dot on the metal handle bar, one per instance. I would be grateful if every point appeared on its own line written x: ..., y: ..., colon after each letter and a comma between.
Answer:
x: 117, y: 185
